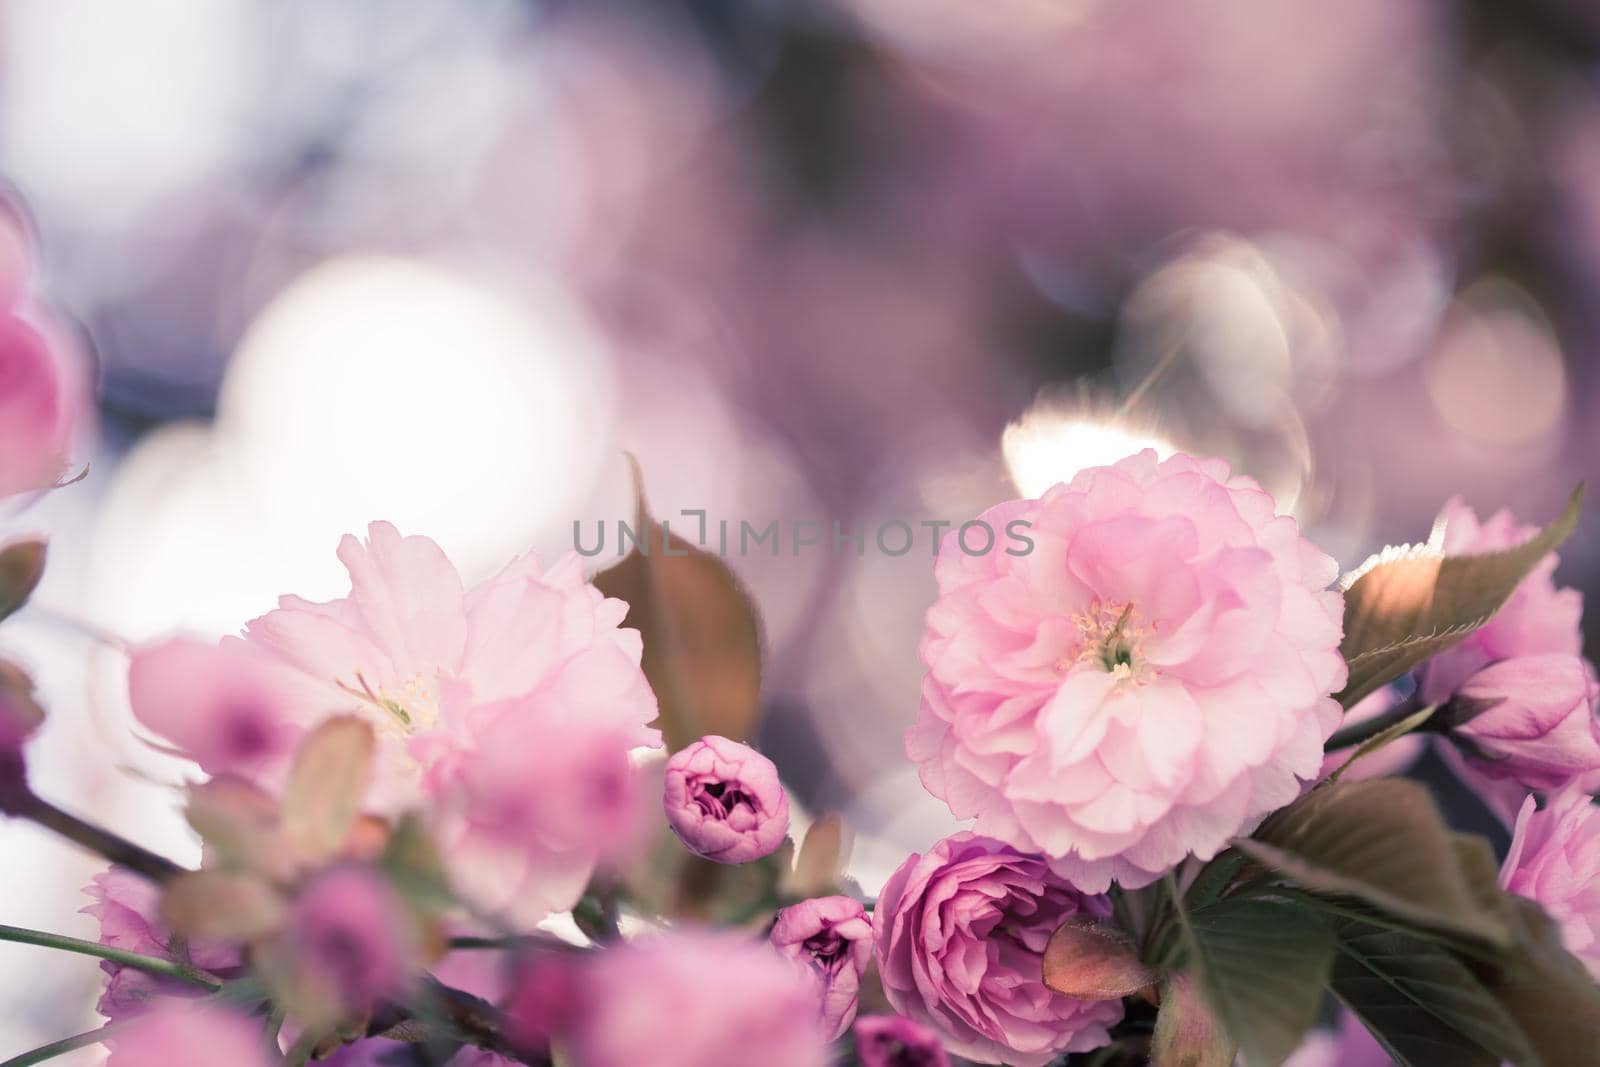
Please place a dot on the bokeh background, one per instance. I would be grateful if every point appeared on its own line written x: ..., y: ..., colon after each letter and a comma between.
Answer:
x: 443, y: 261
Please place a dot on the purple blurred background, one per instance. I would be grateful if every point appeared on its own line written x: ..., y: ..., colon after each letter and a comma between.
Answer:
x: 442, y: 262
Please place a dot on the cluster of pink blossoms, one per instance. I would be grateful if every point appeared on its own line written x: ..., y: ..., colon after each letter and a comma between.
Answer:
x: 1141, y: 689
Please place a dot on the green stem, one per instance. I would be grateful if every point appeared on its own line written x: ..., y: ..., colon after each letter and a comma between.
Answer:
x: 64, y: 1046
x: 1367, y: 729
x: 118, y: 850
x: 153, y: 964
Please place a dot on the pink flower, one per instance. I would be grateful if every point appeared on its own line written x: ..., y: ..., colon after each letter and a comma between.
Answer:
x: 695, y: 998
x: 960, y: 938
x: 450, y: 677
x: 724, y: 801
x: 410, y: 638
x: 1146, y: 683
x: 227, y: 706
x: 831, y: 938
x: 1532, y: 720
x: 542, y: 800
x: 188, y: 1034
x: 895, y: 1041
x: 1555, y: 860
x: 1351, y: 1045
x: 44, y: 397
x: 1538, y: 617
x: 128, y: 909
x: 350, y: 942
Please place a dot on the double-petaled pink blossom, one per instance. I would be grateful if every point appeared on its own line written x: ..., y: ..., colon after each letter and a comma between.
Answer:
x: 1146, y: 683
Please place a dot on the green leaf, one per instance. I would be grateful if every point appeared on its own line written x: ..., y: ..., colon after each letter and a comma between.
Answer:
x: 326, y: 783
x: 819, y: 864
x: 1546, y: 990
x: 1094, y: 961
x: 1409, y: 604
x: 1260, y: 965
x: 1384, y: 842
x: 702, y: 638
x: 1186, y: 1034
x: 1423, y: 1004
x: 21, y: 567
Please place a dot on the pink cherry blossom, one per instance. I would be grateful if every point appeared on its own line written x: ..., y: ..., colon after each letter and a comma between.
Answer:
x: 1538, y: 617
x: 695, y: 998
x: 127, y: 908
x: 724, y: 801
x: 190, y: 1034
x: 1555, y: 860
x: 409, y: 631
x: 44, y: 400
x: 1147, y: 682
x: 1532, y: 720
x: 831, y: 939
x: 895, y: 1041
x: 960, y: 935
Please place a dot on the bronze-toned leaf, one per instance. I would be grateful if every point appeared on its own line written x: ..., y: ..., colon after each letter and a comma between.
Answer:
x: 225, y: 905
x: 1383, y: 841
x: 238, y: 822
x: 702, y: 643
x: 1406, y: 605
x: 1423, y: 1004
x: 1095, y: 961
x: 326, y: 784
x: 821, y: 859
x: 1186, y: 1034
x: 1546, y: 990
x: 21, y: 567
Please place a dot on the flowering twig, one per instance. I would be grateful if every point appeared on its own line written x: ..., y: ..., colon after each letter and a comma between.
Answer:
x: 152, y: 964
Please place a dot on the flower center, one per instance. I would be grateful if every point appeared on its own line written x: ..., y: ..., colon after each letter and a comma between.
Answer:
x: 1110, y: 635
x: 718, y: 799
x: 416, y: 708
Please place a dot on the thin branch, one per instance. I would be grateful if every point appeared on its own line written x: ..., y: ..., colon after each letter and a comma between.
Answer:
x: 153, y: 964
x: 1367, y: 729
x: 64, y: 1046
x: 118, y: 850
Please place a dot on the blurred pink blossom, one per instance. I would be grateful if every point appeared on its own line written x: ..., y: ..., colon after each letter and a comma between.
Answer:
x: 724, y: 801
x: 127, y: 907
x: 540, y: 801
x: 960, y: 936
x: 44, y: 399
x: 895, y: 1041
x: 1147, y: 683
x: 350, y: 942
x: 831, y: 938
x: 1537, y: 725
x: 1539, y: 617
x: 189, y: 1034
x: 226, y: 706
x: 695, y: 998
x: 1555, y: 861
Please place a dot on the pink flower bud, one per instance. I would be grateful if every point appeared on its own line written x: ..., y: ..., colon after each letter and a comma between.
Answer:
x: 350, y: 942
x: 895, y: 1041
x: 725, y: 802
x: 831, y: 938
x: 1532, y: 719
x: 43, y: 398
